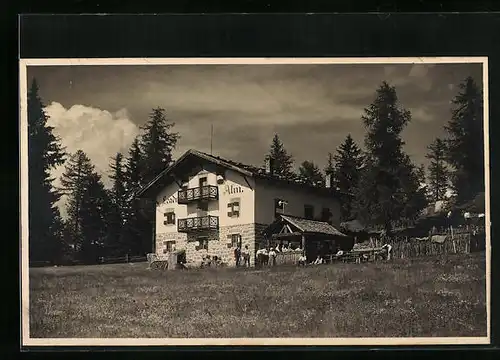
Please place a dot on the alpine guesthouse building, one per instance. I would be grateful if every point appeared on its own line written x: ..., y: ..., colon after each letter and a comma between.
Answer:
x: 207, y: 205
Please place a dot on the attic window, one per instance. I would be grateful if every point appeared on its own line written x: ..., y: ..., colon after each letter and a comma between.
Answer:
x: 325, y: 214
x: 308, y: 212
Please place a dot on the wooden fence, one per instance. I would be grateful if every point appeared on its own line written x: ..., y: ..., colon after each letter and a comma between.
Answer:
x: 459, y: 243
x: 101, y: 260
x: 287, y: 258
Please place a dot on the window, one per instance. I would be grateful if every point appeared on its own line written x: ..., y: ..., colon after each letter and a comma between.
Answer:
x: 169, y: 246
x: 325, y: 214
x: 234, y: 240
x: 233, y: 208
x: 202, y: 243
x: 203, y: 181
x: 169, y: 217
x: 203, y: 205
x: 309, y: 212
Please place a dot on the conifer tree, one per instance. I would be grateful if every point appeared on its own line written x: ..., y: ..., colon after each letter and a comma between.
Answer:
x: 465, y: 143
x: 282, y: 160
x: 157, y: 144
x: 311, y: 174
x: 44, y: 154
x: 87, y: 206
x: 330, y: 164
x: 347, y: 166
x: 388, y: 191
x: 116, y: 244
x: 438, y: 171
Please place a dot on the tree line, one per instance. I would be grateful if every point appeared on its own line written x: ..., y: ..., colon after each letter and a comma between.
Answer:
x: 380, y: 183
x: 100, y: 221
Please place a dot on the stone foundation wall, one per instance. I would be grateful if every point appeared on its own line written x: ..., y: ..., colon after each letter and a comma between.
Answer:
x: 247, y: 233
x: 219, y: 243
x: 179, y: 238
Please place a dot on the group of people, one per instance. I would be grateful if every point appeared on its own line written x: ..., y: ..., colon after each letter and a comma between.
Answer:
x: 266, y: 256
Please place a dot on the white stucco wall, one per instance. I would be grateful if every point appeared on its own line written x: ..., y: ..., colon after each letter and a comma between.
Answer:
x: 266, y: 193
x: 234, y: 187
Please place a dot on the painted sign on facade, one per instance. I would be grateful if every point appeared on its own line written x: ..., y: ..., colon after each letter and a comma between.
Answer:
x: 233, y: 189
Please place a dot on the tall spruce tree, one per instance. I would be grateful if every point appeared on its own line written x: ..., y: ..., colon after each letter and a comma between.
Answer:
x: 386, y: 192
x: 136, y: 227
x: 465, y: 147
x: 44, y: 154
x: 311, y: 173
x: 330, y: 164
x: 87, y: 206
x: 157, y: 143
x: 116, y: 243
x: 347, y: 167
x: 282, y: 160
x: 95, y: 213
x: 438, y: 170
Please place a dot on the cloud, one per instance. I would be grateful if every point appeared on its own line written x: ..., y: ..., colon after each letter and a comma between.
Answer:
x: 99, y: 133
x: 421, y: 114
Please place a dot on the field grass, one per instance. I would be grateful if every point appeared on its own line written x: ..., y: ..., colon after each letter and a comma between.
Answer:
x: 439, y: 296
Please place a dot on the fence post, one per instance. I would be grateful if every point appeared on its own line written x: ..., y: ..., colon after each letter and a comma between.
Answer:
x: 126, y: 258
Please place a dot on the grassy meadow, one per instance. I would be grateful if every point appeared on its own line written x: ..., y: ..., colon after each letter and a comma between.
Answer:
x: 426, y: 297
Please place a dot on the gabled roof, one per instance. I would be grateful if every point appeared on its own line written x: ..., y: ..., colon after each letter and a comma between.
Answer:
x: 312, y: 226
x: 244, y: 169
x: 304, y: 226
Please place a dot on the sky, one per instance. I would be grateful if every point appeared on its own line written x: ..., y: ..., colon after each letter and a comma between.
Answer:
x: 99, y: 109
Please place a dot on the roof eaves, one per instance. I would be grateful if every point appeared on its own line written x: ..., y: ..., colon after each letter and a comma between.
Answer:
x: 163, y: 173
x: 288, y: 218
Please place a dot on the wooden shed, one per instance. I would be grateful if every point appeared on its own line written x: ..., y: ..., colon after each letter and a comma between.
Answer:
x: 314, y: 237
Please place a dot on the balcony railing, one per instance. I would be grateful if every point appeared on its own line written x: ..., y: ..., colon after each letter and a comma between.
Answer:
x: 198, y: 223
x: 207, y: 192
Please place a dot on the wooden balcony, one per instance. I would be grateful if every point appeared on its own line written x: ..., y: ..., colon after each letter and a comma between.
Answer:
x: 198, y: 223
x: 207, y: 192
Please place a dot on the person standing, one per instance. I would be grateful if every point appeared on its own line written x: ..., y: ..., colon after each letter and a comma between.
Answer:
x: 246, y: 256
x: 237, y: 255
x: 272, y: 256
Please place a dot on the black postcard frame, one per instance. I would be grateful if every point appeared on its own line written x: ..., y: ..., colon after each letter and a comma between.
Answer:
x: 277, y: 35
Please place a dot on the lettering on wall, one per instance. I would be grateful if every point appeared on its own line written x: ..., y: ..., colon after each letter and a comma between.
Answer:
x: 233, y: 189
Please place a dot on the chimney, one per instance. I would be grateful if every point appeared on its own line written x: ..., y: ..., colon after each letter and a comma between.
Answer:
x: 269, y: 165
x: 328, y: 180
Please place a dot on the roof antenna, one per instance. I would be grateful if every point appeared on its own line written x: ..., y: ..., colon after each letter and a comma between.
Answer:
x: 211, y: 136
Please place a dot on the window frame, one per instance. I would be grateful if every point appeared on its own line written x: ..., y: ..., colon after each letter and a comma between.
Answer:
x: 231, y: 205
x: 308, y: 207
x: 202, y: 243
x: 166, y: 214
x: 326, y: 214
x: 202, y: 205
x: 168, y: 246
x: 233, y: 240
